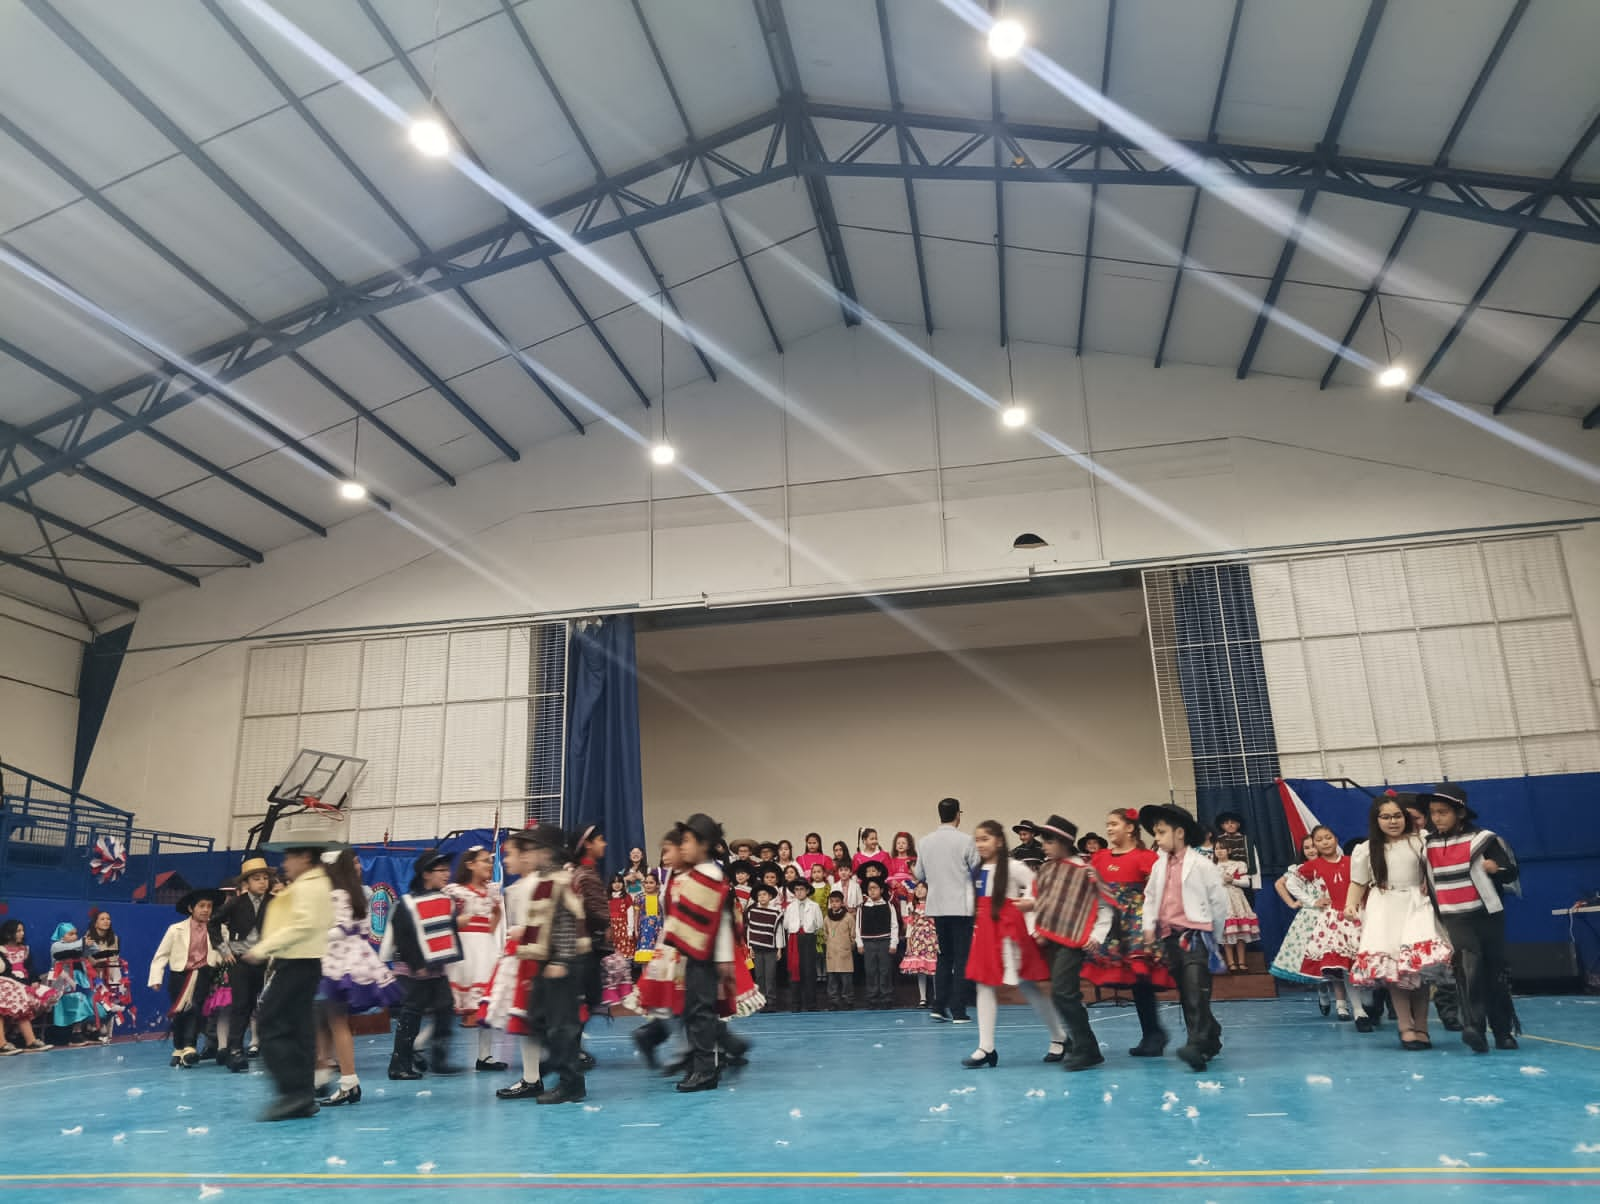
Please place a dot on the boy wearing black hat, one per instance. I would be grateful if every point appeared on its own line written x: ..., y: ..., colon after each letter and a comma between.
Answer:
x: 1186, y: 907
x: 763, y: 926
x: 1070, y: 904
x: 699, y: 926
x: 802, y: 919
x: 1468, y: 868
x: 1028, y: 850
x: 184, y: 961
x: 421, y: 940
x: 555, y: 939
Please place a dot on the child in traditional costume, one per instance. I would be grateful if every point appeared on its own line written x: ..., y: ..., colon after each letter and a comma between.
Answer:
x: 108, y: 971
x: 587, y: 854
x: 648, y: 918
x: 839, y: 945
x: 1122, y: 956
x: 185, y: 960
x: 802, y: 920
x: 501, y: 1009
x: 240, y: 925
x: 1243, y: 928
x: 1469, y: 868
x: 877, y: 938
x: 1186, y: 909
x: 22, y: 997
x: 921, y: 960
x: 69, y: 974
x: 699, y: 927
x: 1322, y: 935
x: 1070, y: 904
x: 422, y: 943
x: 476, y: 898
x: 353, y: 981
x: 763, y: 924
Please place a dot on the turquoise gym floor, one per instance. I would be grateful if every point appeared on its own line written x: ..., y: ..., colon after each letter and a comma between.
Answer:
x: 1298, y: 1108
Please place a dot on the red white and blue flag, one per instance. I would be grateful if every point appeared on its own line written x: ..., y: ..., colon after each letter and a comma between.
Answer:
x: 1301, y: 821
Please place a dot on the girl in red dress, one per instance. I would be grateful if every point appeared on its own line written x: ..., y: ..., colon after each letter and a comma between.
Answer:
x: 1336, y: 938
x: 1003, y: 948
x: 1121, y: 956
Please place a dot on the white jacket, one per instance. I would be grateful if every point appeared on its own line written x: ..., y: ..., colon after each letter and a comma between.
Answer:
x: 1204, y: 900
x: 174, y: 953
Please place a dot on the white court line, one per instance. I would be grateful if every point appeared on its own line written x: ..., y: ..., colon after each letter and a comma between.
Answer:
x: 1266, y: 1114
x: 654, y: 1124
x: 67, y: 1078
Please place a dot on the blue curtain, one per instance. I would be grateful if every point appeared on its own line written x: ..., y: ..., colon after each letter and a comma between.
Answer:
x: 604, y: 784
x: 1224, y: 685
x: 97, y: 676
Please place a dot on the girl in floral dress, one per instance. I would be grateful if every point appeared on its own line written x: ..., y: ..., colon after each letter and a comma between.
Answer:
x: 108, y: 970
x: 1296, y: 892
x: 1122, y: 956
x: 1242, y: 926
x: 1329, y: 939
x: 353, y: 981
x: 922, y: 942
x: 478, y: 908
x: 1402, y: 945
x: 22, y: 997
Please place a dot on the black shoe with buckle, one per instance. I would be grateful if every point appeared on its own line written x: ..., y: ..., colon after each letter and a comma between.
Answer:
x: 585, y: 1060
x: 345, y: 1095
x: 490, y: 1064
x: 521, y: 1089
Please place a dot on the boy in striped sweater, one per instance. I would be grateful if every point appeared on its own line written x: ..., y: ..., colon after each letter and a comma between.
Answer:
x: 1468, y: 867
x: 763, y: 925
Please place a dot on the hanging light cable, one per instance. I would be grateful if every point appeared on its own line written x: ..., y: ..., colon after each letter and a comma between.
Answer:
x: 1014, y: 415
x: 1393, y: 375
x: 663, y: 453
x: 427, y: 134
x: 351, y: 489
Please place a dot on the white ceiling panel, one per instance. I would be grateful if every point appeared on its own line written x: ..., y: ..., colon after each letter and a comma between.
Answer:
x: 289, y: 397
x: 1166, y: 61
x: 525, y: 304
x: 218, y: 505
x: 516, y: 407
x: 577, y: 359
x: 797, y: 309
x: 690, y: 244
x: 414, y: 25
x: 839, y: 52
x: 16, y: 583
x: 1444, y: 259
x: 284, y: 476
x: 445, y: 334
x: 1042, y: 296
x: 615, y: 256
x: 1126, y: 305
x: 941, y: 60
x: 1550, y: 276
x: 722, y: 305
x: 25, y: 395
x: 1417, y: 77
x: 960, y: 210
x: 433, y: 424
x: 966, y: 291
x: 884, y: 268
x: 1046, y: 217
x: 31, y: 188
x: 340, y: 29
x: 1285, y: 351
x: 1416, y: 327
x: 145, y: 465
x: 1227, y: 240
x: 1362, y: 233
x: 773, y: 213
x: 214, y: 432
x: 1212, y: 327
x: 1567, y: 382
x: 881, y: 204
x: 636, y: 335
x: 1288, y: 64
x: 214, y: 89
x: 726, y: 33
x: 1491, y: 350
x: 64, y: 337
x: 1143, y: 225
x: 1530, y: 114
x: 358, y: 361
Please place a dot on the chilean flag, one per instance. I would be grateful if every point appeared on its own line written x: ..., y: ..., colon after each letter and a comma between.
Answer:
x: 1301, y: 821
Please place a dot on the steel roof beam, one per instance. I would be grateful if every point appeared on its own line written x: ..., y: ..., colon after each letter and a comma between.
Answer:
x: 1094, y: 188
x: 375, y: 194
x: 998, y: 146
x: 804, y: 142
x: 94, y: 537
x: 893, y: 78
x: 1194, y: 201
x: 600, y: 174
x: 688, y: 130
x: 1446, y: 148
x: 1329, y: 145
x: 1549, y: 349
x: 194, y: 153
x: 71, y: 583
x: 1579, y: 149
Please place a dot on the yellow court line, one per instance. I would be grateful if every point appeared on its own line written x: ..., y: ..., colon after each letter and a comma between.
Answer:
x: 1569, y: 1044
x: 711, y: 1176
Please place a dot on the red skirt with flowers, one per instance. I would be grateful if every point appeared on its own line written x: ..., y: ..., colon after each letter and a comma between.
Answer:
x: 1003, y: 951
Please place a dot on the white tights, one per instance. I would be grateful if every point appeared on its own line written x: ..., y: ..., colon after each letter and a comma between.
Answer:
x: 531, y: 1055
x: 989, y: 1009
x: 485, y: 1042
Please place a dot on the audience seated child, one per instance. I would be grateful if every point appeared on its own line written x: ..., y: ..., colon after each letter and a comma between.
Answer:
x: 840, y: 940
x: 69, y: 974
x: 23, y: 997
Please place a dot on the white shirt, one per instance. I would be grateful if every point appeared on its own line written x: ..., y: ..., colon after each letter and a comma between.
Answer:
x: 802, y: 916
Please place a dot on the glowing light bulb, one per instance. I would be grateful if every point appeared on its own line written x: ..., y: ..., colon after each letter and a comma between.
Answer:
x: 1392, y: 377
x: 663, y: 453
x: 429, y: 137
x: 352, y: 491
x: 1006, y: 38
x: 1014, y: 415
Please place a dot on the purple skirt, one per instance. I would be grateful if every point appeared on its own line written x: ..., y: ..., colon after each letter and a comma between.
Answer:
x: 356, y: 997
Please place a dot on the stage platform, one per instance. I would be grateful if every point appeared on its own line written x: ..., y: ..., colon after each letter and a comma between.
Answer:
x: 1298, y: 1108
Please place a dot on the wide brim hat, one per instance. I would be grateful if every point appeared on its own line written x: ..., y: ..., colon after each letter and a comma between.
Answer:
x: 1222, y: 817
x: 186, y: 905
x: 254, y: 865
x: 1176, y: 816
x: 1088, y: 836
x: 1026, y: 828
x: 763, y: 866
x: 761, y: 888
x: 1058, y: 826
x: 1452, y: 793
x: 748, y: 867
x: 425, y: 863
x: 804, y: 882
x: 873, y: 871
x: 707, y: 830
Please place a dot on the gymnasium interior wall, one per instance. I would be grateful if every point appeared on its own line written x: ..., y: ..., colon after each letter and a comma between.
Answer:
x: 40, y: 654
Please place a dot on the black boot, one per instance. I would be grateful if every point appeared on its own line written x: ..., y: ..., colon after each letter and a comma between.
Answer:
x: 1151, y: 1045
x: 1153, y: 1039
x: 400, y: 1068
x: 699, y: 1080
x: 648, y: 1037
x: 568, y: 1091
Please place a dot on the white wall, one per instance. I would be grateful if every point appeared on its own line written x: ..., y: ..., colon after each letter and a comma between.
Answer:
x: 865, y: 454
x: 40, y: 655
x: 777, y: 751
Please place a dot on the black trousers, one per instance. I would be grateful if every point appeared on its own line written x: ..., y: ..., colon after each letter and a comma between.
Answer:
x: 1192, y: 968
x: 766, y: 974
x: 700, y: 1023
x: 1479, y: 941
x: 425, y: 997
x: 878, y: 962
x: 952, y: 992
x: 186, y: 1024
x: 841, y: 988
x: 285, y: 1027
x: 592, y: 982
x: 1447, y: 1002
x: 1066, y: 993
x: 245, y: 979
x: 805, y: 990
x: 555, y: 1024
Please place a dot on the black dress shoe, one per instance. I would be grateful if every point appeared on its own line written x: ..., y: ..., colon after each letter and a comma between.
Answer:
x: 699, y: 1080
x: 1054, y: 1054
x: 585, y: 1060
x: 238, y: 1063
x: 345, y: 1095
x: 400, y: 1072
x: 568, y: 1091
x: 1474, y: 1040
x: 1149, y: 1047
x: 981, y: 1057
x: 1087, y: 1061
x: 647, y: 1038
x: 1506, y: 1042
x: 521, y: 1089
x: 490, y: 1064
x: 290, y: 1109
x: 1363, y: 1024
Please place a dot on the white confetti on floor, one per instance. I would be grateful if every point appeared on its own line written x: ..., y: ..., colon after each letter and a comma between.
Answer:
x: 962, y: 1090
x: 135, y: 1092
x: 426, y: 1168
x: 120, y: 1138
x: 1319, y: 1080
x: 597, y: 1107
x: 1416, y: 1078
x: 1208, y: 1085
x: 1586, y: 1147
x: 877, y: 1045
x: 207, y: 1191
x: 1191, y: 1112
x: 1592, y: 1109
x: 795, y: 1114
x: 1199, y: 1160
x: 335, y: 1160
x: 780, y: 1143
x: 1035, y: 1093
x: 1106, y: 1098
x: 1534, y: 1071
x: 1483, y: 1099
x: 424, y: 1094
x: 72, y: 1132
x: 1446, y: 1160
x: 940, y: 1108
x: 198, y: 1130
x: 185, y: 1108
